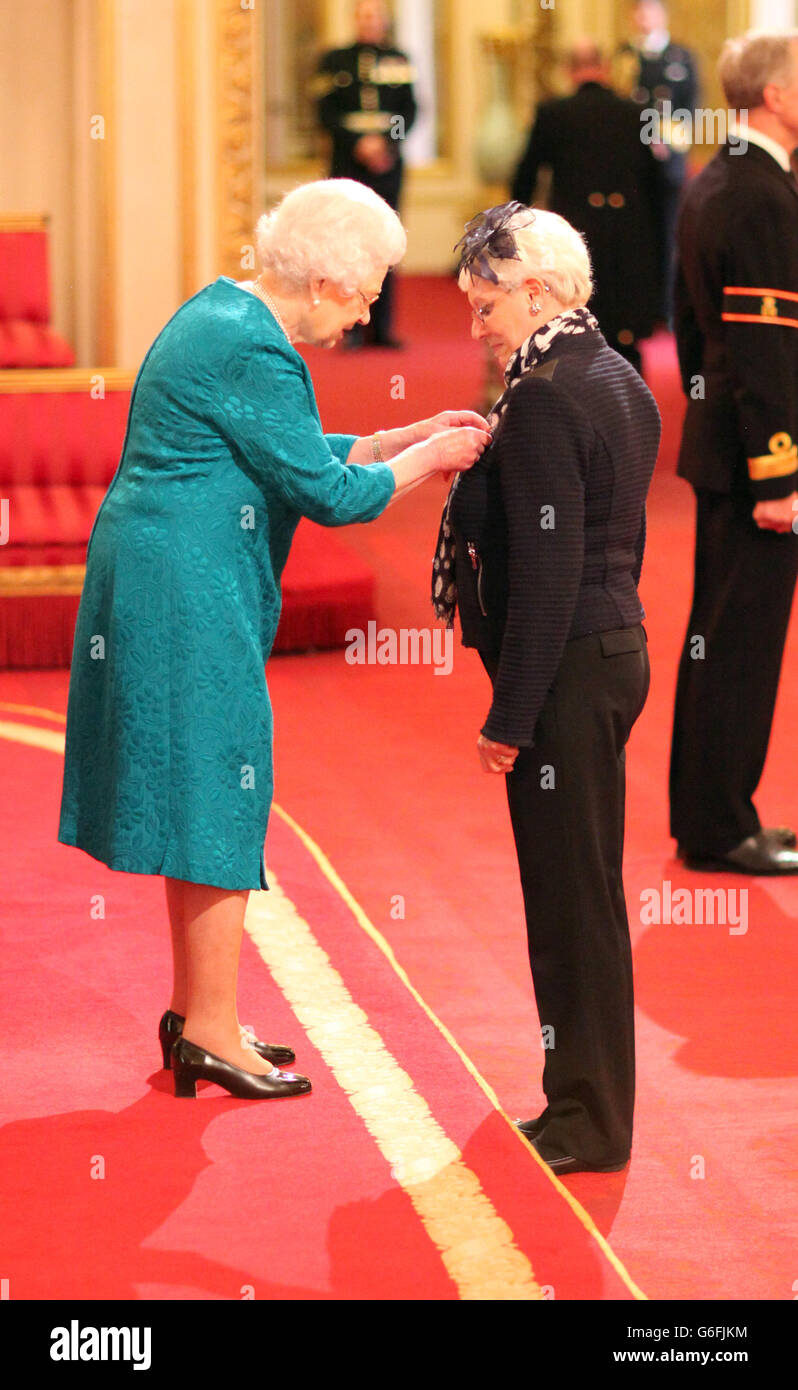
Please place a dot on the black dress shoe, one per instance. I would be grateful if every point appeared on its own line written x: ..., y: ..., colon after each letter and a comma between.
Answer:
x: 782, y: 835
x: 529, y: 1128
x: 776, y: 834
x: 191, y: 1064
x: 568, y: 1163
x: 170, y: 1029
x: 767, y: 852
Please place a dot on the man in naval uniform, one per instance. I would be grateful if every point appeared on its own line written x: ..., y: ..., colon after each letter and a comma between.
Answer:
x: 366, y: 102
x: 607, y: 183
x: 662, y: 76
x: 736, y: 322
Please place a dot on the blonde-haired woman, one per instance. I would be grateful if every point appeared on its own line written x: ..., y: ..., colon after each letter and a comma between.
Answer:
x: 540, y: 551
x: 168, y: 764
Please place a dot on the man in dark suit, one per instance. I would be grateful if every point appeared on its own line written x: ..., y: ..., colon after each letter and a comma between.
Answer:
x: 737, y: 336
x: 661, y: 75
x: 366, y: 102
x: 607, y: 183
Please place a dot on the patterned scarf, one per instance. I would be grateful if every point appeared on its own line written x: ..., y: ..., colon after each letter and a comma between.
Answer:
x: 525, y: 359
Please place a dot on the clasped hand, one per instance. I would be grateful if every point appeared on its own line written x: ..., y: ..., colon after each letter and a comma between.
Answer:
x: 780, y: 514
x: 496, y: 757
x: 374, y: 152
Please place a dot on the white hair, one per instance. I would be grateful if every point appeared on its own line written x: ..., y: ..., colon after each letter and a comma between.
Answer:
x: 333, y: 229
x: 550, y: 248
x: 748, y: 63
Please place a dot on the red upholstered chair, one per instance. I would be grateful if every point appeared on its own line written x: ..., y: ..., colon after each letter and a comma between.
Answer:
x: 61, y: 436
x: 26, y: 338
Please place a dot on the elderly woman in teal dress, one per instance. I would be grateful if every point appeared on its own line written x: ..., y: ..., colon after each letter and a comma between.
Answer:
x: 168, y: 766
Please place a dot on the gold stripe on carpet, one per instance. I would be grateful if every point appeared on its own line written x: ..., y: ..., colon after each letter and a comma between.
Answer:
x: 452, y: 1188
x: 475, y: 1244
x: 28, y: 733
x: 34, y: 709
x: 380, y: 941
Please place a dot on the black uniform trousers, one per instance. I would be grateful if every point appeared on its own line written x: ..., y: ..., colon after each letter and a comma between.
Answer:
x: 744, y: 584
x: 569, y: 841
x: 389, y: 187
x: 672, y: 190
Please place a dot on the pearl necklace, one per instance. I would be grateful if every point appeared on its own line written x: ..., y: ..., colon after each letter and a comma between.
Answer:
x: 270, y: 304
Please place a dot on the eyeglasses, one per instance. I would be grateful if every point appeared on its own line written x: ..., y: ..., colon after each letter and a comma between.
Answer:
x: 367, y: 303
x: 482, y: 312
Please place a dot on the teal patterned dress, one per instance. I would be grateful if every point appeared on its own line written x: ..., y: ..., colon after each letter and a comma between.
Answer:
x: 168, y: 766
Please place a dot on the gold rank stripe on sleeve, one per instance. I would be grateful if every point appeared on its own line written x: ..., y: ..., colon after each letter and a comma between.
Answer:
x: 782, y: 459
x: 392, y: 72
x: 754, y: 304
x: 367, y: 122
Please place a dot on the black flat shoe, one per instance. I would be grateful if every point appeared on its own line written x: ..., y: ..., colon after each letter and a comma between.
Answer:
x: 191, y: 1064
x: 568, y: 1163
x: 170, y: 1029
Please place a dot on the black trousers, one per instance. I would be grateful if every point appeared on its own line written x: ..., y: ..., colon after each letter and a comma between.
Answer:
x: 726, y: 691
x: 569, y: 841
x: 379, y: 328
x: 389, y: 187
x: 382, y: 312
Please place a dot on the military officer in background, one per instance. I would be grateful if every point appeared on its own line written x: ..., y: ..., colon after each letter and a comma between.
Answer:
x: 661, y: 75
x: 607, y: 183
x: 366, y: 102
x: 736, y: 321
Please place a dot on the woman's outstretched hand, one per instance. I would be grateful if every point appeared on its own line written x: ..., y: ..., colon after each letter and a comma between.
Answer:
x: 447, y: 420
x: 453, y: 449
x: 446, y: 451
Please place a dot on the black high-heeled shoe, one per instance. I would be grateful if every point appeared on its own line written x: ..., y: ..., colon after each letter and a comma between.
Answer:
x: 191, y: 1064
x: 170, y: 1029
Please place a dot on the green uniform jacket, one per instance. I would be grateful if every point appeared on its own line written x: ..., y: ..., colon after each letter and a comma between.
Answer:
x: 168, y: 766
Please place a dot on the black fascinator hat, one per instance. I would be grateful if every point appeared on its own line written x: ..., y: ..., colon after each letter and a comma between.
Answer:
x: 486, y: 235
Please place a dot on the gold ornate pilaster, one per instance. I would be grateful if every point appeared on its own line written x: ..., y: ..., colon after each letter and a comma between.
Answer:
x: 107, y: 150
x: 187, y: 102
x: 237, y: 130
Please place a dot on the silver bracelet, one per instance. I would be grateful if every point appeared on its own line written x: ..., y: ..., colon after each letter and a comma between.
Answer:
x: 376, y: 451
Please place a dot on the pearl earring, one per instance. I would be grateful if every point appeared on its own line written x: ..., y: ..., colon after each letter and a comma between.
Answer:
x: 316, y: 303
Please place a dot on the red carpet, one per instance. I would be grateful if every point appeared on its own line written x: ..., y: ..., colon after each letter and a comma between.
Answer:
x: 122, y: 1192
x: 298, y: 1200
